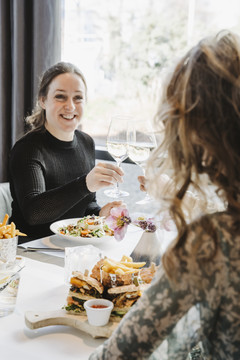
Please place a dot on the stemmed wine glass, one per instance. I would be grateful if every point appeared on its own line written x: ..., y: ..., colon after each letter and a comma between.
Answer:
x: 141, y: 141
x: 117, y: 148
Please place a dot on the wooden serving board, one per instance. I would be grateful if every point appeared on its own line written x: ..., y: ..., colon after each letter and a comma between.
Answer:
x: 36, y: 320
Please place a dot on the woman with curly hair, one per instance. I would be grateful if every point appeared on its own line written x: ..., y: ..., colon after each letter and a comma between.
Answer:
x: 201, y: 268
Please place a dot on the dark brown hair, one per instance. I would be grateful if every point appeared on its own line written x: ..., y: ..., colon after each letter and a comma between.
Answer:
x: 37, y: 119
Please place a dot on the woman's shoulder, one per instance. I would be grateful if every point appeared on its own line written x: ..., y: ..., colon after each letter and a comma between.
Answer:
x: 217, y: 220
x: 209, y: 233
x: 28, y: 143
x: 84, y: 136
x: 30, y: 138
x: 85, y: 141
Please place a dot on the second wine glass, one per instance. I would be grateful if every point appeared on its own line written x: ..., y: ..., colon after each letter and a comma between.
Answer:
x: 141, y: 141
x: 117, y: 148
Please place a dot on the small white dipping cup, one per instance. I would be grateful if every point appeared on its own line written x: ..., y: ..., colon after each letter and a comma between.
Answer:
x: 98, y: 316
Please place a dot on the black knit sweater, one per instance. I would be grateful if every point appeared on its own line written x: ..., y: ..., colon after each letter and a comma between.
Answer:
x: 48, y: 181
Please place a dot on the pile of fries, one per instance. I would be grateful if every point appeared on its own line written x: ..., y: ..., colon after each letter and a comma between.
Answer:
x: 124, y: 266
x: 9, y: 231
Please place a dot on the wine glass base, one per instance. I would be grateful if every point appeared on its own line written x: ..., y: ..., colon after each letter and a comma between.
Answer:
x: 116, y: 194
x: 146, y: 200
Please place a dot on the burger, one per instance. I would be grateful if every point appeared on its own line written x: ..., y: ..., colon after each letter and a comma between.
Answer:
x: 82, y: 288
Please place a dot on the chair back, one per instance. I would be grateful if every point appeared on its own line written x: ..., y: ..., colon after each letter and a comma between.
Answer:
x: 5, y: 200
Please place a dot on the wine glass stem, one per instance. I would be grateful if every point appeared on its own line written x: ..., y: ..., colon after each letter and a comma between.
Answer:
x: 147, y: 197
x: 117, y: 184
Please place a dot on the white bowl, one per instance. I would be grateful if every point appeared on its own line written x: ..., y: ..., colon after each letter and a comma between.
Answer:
x: 98, y: 316
x: 54, y: 227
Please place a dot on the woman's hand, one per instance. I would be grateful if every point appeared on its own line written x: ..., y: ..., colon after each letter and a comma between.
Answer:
x: 105, y: 210
x: 163, y: 180
x: 142, y: 181
x: 102, y: 175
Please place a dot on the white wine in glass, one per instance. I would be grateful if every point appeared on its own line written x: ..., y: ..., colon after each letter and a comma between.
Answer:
x: 141, y: 141
x: 117, y: 148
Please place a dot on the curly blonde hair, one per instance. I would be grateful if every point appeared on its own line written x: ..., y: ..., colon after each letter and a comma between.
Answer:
x: 200, y: 112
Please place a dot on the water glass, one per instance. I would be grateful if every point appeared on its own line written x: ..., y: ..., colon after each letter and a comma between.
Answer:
x: 8, y: 251
x: 9, y: 282
x: 80, y: 258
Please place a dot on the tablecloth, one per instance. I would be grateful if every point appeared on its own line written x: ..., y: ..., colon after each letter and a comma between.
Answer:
x: 42, y: 288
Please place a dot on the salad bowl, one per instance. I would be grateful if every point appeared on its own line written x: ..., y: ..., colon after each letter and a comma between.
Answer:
x: 83, y: 230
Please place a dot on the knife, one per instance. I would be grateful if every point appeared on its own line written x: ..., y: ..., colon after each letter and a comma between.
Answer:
x: 34, y: 249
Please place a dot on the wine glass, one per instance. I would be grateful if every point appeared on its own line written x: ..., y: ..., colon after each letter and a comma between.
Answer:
x: 117, y: 148
x: 141, y: 141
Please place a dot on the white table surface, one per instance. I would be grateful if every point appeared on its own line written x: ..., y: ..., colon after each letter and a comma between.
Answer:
x: 111, y: 247
x: 42, y: 288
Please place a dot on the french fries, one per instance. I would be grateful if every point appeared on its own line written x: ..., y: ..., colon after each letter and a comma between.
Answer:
x: 125, y: 266
x: 9, y: 231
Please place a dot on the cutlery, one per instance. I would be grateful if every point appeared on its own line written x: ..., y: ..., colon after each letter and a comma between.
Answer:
x: 34, y: 249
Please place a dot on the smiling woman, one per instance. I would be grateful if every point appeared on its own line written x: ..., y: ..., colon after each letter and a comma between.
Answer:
x: 52, y: 168
x: 64, y: 105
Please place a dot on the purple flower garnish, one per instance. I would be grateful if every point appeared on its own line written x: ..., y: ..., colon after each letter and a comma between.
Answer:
x: 145, y: 224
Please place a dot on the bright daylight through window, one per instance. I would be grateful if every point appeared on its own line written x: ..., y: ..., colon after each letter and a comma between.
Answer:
x: 123, y: 48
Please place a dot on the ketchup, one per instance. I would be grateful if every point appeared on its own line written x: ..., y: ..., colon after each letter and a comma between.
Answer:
x: 99, y: 306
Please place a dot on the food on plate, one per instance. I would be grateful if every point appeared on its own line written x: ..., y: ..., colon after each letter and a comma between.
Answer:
x: 121, y: 267
x: 147, y: 274
x: 96, y: 270
x: 99, y: 306
x: 111, y: 272
x: 88, y: 226
x: 123, y: 297
x: 9, y: 231
x: 82, y: 288
x: 123, y: 289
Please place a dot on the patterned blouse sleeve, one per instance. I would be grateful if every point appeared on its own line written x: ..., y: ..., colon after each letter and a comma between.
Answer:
x: 154, y: 316
x: 149, y: 322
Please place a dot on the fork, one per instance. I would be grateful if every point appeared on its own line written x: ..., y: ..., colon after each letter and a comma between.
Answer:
x: 34, y: 249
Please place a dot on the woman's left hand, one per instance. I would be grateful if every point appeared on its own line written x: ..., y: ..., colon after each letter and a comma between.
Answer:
x: 105, y: 210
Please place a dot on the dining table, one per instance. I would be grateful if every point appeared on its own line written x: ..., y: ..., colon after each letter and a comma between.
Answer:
x: 43, y: 288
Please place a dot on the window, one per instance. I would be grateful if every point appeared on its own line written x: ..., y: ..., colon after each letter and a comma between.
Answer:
x: 123, y: 48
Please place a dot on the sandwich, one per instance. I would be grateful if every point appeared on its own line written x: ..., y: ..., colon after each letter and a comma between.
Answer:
x: 82, y: 288
x: 124, y: 297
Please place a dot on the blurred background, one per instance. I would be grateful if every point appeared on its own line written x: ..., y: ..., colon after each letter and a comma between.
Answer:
x: 124, y: 48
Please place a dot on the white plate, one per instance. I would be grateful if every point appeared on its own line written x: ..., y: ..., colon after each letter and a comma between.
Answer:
x: 93, y: 240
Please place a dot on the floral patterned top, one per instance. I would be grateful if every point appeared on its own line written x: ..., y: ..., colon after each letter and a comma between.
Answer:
x: 203, y: 306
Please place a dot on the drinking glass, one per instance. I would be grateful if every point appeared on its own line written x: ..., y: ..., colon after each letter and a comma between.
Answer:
x: 117, y: 148
x: 141, y: 141
x: 9, y: 277
x: 9, y: 281
x: 8, y: 251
